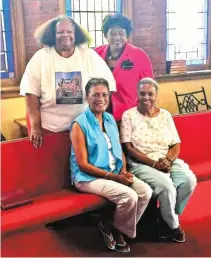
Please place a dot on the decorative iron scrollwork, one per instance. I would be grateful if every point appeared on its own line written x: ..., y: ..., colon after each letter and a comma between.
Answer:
x: 188, y: 102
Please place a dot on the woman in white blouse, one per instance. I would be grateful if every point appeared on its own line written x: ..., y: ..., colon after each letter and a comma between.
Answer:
x: 152, y: 145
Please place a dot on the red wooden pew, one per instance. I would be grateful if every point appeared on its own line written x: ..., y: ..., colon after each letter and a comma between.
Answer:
x: 43, y: 173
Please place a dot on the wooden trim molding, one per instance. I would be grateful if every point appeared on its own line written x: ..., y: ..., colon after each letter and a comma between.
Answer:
x: 196, y: 75
x: 127, y: 10
x: 198, y: 67
x: 10, y: 92
x: 9, y: 86
x: 62, y: 7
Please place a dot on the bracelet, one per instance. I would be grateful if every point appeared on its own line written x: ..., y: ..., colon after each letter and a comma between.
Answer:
x: 107, y: 175
x: 154, y: 164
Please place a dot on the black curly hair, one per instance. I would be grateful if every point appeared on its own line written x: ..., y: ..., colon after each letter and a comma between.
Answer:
x: 117, y: 20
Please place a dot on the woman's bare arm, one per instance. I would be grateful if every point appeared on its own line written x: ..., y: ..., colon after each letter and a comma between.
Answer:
x: 173, y: 152
x: 79, y: 144
x: 137, y: 155
x: 171, y: 155
x: 33, y: 110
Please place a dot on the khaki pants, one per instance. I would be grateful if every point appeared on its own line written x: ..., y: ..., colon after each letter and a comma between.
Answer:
x: 131, y: 202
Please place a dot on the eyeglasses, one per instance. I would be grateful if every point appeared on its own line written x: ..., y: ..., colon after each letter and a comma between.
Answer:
x: 115, y: 31
x: 99, y: 95
x: 143, y: 94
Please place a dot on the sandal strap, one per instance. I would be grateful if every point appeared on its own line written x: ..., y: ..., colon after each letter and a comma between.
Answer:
x: 104, y: 233
x: 122, y: 249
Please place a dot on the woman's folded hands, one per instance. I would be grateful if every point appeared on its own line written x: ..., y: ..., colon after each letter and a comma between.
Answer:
x: 125, y: 178
x: 164, y: 165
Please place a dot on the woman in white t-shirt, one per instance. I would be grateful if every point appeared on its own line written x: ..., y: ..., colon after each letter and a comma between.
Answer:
x: 51, y: 106
x: 152, y: 145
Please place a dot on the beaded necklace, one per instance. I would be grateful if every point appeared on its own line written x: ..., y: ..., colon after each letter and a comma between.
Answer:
x: 110, y: 57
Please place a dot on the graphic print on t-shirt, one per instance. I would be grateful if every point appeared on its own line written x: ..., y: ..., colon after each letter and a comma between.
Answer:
x: 68, y: 88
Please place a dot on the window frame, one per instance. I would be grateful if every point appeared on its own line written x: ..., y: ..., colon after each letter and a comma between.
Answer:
x: 127, y: 10
x: 8, y: 38
x: 10, y: 86
x: 207, y: 66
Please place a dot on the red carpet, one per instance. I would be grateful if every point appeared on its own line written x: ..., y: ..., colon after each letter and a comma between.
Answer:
x: 79, y: 236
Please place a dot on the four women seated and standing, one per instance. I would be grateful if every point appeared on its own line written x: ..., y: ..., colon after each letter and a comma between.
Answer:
x: 152, y: 146
x: 149, y: 136
x: 98, y: 166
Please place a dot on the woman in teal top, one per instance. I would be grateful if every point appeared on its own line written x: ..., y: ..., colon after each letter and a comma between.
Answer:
x: 98, y: 166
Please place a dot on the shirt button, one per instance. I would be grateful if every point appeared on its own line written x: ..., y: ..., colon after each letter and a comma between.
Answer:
x: 114, y: 103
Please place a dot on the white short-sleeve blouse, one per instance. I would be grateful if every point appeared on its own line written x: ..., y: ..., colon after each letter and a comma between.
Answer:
x: 150, y: 135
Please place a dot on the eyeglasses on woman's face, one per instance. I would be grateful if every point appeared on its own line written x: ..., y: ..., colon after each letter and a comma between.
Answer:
x: 116, y: 37
x: 99, y: 95
x: 98, y: 98
x: 149, y: 94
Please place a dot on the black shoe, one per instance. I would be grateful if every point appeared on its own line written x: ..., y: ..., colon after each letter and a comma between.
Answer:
x: 178, y: 235
x: 164, y: 230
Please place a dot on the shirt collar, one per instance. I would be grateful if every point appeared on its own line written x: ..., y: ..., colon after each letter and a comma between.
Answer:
x: 92, y: 118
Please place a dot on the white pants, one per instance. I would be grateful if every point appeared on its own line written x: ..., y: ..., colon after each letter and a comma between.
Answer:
x: 173, y: 190
x: 131, y: 202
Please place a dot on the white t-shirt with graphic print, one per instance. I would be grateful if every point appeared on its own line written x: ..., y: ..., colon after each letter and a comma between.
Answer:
x: 60, y: 83
x: 150, y: 135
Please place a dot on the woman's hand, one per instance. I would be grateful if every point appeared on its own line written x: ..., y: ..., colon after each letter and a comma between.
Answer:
x: 127, y: 174
x: 125, y: 179
x: 36, y: 137
x: 164, y: 165
x: 33, y: 110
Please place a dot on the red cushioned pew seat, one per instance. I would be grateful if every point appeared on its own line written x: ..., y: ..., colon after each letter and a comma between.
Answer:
x: 202, y: 170
x: 199, y: 206
x: 48, y: 208
x: 195, y: 133
x: 43, y: 173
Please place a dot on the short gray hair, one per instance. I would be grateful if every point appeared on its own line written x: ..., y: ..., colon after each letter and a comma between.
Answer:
x: 149, y: 81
